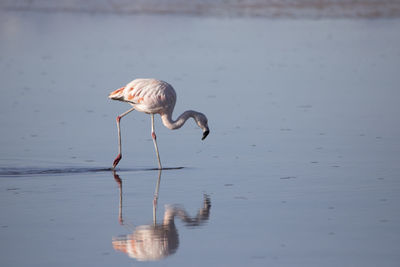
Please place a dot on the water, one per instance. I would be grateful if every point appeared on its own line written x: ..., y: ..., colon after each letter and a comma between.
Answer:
x: 300, y: 168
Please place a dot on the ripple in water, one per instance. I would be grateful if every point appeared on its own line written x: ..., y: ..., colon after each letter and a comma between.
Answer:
x: 32, y: 171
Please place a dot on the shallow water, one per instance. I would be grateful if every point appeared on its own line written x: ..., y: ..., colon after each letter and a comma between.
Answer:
x: 300, y: 168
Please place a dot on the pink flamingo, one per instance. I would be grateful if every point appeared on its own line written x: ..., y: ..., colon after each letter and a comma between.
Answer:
x: 153, y: 96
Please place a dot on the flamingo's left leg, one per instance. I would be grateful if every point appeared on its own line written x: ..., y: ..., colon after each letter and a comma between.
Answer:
x: 119, y: 156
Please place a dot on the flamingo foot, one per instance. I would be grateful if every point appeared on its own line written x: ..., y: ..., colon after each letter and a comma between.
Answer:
x: 116, y: 160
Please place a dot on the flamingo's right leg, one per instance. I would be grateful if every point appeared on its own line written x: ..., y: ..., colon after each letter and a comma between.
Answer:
x: 118, y: 158
x: 153, y: 135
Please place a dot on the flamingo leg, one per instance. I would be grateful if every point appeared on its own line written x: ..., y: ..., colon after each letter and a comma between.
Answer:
x: 118, y: 158
x: 153, y: 135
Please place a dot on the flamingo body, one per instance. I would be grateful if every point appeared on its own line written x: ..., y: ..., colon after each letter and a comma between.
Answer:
x: 147, y: 95
x: 153, y: 96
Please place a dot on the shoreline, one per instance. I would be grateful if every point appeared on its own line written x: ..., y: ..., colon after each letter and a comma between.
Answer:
x: 313, y: 9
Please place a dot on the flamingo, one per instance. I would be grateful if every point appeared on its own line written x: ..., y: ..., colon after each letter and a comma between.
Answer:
x: 153, y: 96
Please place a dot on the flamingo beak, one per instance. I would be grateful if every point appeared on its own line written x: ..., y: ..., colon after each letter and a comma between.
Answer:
x: 205, y: 133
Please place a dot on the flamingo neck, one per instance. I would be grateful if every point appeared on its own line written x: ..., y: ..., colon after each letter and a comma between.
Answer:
x: 179, y: 122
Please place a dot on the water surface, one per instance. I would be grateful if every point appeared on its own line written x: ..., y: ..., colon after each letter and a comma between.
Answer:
x: 300, y: 168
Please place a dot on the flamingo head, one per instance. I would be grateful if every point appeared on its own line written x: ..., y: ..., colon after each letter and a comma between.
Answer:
x: 205, y: 133
x: 202, y: 122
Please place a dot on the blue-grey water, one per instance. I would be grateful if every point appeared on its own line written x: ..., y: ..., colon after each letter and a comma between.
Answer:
x: 301, y: 167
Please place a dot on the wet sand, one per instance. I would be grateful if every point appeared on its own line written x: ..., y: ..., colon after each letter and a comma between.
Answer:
x: 300, y: 168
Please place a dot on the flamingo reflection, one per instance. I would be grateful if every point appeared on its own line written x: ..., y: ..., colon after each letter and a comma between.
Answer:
x: 158, y: 240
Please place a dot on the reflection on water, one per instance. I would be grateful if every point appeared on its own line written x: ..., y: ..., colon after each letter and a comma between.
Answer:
x: 158, y: 240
